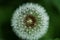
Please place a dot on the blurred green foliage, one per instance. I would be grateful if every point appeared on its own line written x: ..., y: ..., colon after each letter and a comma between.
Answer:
x: 7, y: 7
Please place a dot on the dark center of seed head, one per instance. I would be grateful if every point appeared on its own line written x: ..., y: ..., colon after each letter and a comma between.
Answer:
x: 30, y: 21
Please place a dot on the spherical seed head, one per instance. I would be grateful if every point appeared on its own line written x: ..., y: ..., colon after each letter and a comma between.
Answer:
x: 30, y: 21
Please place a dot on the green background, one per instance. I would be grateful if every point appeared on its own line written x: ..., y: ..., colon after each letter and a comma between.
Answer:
x: 7, y: 8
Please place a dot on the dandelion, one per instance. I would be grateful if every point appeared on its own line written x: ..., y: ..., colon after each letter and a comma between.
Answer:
x: 30, y: 21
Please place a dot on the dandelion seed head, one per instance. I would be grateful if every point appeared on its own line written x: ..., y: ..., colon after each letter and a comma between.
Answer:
x: 30, y: 21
